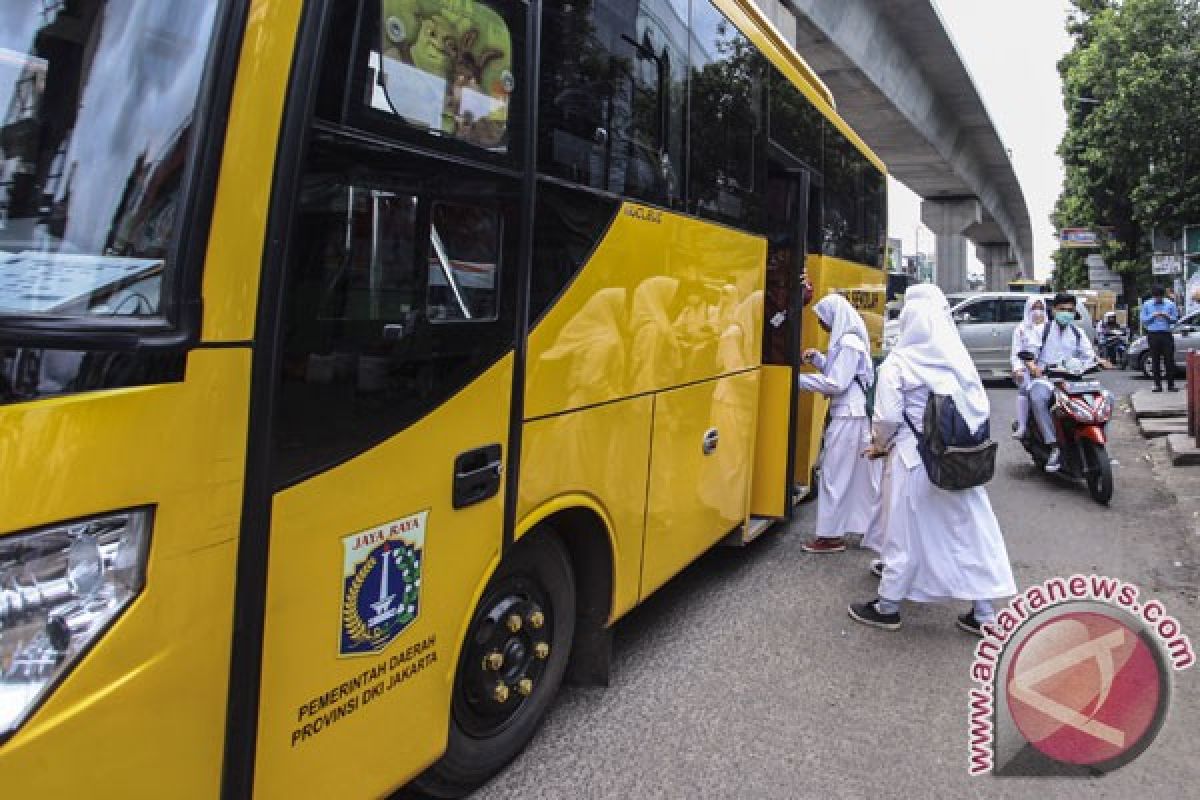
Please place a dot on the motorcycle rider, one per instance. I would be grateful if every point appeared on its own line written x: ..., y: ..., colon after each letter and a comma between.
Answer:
x: 1062, y: 340
x: 1109, y: 333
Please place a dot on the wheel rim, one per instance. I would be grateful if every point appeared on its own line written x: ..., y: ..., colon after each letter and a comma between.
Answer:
x: 505, y: 657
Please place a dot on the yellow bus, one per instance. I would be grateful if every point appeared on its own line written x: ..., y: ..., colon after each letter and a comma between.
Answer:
x: 363, y: 362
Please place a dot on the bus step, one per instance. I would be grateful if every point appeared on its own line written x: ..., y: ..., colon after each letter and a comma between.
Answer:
x: 757, y: 527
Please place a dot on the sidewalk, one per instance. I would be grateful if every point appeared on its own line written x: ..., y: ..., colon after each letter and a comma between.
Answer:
x: 1164, y: 414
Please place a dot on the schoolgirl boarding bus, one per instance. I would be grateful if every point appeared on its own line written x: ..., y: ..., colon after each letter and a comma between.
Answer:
x: 362, y: 362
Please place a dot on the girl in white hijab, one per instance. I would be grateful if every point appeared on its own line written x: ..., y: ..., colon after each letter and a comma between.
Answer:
x: 1027, y: 338
x: 848, y: 491
x: 940, y: 545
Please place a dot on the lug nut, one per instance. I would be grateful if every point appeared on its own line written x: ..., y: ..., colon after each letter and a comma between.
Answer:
x: 513, y: 623
x: 493, y: 661
x: 537, y: 619
x: 541, y: 651
x: 525, y: 687
x: 500, y: 693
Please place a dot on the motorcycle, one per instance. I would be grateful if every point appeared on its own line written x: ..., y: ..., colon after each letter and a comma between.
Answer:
x: 1115, y: 347
x: 1081, y: 411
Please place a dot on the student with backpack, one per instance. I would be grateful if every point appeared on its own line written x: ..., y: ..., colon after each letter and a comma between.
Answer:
x: 848, y: 489
x: 942, y: 542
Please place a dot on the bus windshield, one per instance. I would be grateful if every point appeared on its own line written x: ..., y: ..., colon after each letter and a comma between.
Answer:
x: 96, y: 105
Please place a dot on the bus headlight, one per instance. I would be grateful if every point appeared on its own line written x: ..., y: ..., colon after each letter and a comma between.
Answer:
x: 60, y: 587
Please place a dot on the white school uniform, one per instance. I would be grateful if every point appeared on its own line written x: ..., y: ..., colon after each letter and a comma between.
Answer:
x: 939, y: 545
x: 849, y: 485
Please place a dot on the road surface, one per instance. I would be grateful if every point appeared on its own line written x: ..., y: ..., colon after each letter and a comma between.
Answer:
x: 744, y: 677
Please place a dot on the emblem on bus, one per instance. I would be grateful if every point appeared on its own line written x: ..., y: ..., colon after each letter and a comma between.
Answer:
x: 381, y: 584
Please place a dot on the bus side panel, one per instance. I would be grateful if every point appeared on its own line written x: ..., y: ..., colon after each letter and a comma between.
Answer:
x: 647, y: 313
x: 321, y: 707
x: 142, y: 714
x: 697, y: 493
x: 604, y: 453
x: 768, y: 496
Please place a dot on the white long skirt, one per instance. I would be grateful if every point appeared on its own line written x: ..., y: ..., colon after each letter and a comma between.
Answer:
x: 876, y: 536
x: 848, y: 493
x: 941, y: 545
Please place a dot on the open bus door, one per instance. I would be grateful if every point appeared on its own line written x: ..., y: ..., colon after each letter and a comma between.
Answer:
x: 788, y: 202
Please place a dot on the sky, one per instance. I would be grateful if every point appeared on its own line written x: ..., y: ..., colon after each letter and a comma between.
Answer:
x: 1011, y: 49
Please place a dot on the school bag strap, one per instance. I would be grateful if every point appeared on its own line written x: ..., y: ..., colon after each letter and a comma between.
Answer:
x: 1046, y: 334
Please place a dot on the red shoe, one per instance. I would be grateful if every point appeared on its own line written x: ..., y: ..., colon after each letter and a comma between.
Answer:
x: 823, y: 544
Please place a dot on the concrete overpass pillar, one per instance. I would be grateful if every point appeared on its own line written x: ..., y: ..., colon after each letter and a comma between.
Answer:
x: 950, y: 220
x: 1000, y: 264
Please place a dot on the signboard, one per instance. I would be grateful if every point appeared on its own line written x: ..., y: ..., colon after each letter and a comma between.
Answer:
x: 1100, y: 277
x: 1167, y: 264
x: 1071, y: 238
x: 1191, y: 239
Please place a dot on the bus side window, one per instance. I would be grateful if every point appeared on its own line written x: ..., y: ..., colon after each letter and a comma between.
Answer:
x: 611, y: 99
x: 464, y: 263
x: 726, y: 148
x: 365, y: 262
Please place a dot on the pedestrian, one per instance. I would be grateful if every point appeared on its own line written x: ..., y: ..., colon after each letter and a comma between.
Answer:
x: 1159, y: 316
x: 1027, y: 340
x: 848, y: 488
x: 940, y: 545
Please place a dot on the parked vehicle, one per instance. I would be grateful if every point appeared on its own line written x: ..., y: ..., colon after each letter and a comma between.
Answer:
x: 1081, y: 411
x: 1187, y: 337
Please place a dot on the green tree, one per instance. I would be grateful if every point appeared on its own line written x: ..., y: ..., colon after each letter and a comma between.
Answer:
x: 1131, y: 88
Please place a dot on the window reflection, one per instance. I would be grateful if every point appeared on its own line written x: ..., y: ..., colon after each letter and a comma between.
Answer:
x: 612, y: 95
x: 97, y: 100
x: 726, y: 95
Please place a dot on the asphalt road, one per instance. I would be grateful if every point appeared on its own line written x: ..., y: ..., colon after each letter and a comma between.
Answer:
x: 744, y: 677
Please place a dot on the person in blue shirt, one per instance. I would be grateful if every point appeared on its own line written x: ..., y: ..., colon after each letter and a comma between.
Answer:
x: 1159, y: 316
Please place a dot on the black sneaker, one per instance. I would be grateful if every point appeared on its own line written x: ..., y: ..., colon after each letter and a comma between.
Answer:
x: 1054, y: 463
x: 1172, y: 388
x: 877, y: 568
x: 967, y: 622
x: 868, y: 614
x: 1157, y: 389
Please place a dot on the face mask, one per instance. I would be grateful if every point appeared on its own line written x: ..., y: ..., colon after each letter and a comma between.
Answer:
x: 1064, y: 318
x: 1039, y: 317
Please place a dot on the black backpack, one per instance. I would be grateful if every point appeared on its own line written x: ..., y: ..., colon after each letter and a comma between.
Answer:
x: 954, y: 457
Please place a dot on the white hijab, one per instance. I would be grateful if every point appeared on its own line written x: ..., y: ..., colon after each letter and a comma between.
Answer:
x: 847, y: 331
x: 929, y: 352
x: 925, y: 291
x: 1034, y: 328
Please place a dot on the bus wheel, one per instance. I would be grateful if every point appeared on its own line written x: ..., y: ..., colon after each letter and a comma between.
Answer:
x: 511, y: 666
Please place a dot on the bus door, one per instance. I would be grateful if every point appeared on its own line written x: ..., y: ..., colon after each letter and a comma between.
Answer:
x: 773, y: 491
x: 389, y: 430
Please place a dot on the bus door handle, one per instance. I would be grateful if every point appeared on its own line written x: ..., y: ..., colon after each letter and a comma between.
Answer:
x: 477, y: 475
x: 711, y: 439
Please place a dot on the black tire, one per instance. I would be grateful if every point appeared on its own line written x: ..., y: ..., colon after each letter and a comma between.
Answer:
x: 485, y: 735
x: 1099, y: 471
